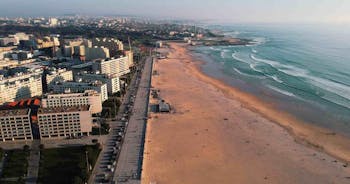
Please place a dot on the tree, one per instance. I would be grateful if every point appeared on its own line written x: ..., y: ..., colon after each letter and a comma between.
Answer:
x: 25, y: 148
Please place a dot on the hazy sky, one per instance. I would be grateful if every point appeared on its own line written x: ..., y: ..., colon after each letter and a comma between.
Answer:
x: 226, y: 10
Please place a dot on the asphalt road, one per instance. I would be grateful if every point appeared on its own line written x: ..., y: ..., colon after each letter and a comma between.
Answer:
x: 129, y: 165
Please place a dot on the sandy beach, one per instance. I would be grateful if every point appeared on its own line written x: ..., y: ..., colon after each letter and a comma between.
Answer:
x: 218, y: 134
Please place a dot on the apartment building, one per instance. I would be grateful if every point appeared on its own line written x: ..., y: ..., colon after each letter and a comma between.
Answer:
x: 80, y: 87
x: 118, y: 66
x: 112, y: 81
x: 15, y: 125
x: 113, y: 45
x: 20, y: 86
x: 61, y: 122
x: 58, y: 75
x: 89, y: 97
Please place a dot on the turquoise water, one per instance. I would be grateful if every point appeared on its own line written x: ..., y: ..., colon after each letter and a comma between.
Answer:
x: 304, y: 70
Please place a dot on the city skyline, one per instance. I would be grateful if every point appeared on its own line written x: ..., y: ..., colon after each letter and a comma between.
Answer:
x: 271, y: 11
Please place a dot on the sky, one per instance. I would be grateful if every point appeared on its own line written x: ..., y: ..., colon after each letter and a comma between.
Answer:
x: 240, y: 11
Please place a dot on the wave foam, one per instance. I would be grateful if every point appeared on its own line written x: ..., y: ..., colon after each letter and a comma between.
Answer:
x: 287, y: 93
x: 234, y: 56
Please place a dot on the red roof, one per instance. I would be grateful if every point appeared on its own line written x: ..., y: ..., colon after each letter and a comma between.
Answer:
x: 21, y: 103
x: 36, y: 102
x: 12, y: 104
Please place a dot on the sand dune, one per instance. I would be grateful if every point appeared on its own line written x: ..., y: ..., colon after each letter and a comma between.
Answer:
x: 218, y: 134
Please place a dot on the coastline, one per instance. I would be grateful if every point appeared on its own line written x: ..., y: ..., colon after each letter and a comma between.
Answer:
x: 217, y: 134
x: 313, y: 136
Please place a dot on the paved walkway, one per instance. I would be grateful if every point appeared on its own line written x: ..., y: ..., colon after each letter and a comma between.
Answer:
x: 129, y: 165
x: 33, y: 163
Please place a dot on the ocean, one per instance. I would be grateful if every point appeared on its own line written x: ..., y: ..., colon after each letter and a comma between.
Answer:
x: 301, y: 69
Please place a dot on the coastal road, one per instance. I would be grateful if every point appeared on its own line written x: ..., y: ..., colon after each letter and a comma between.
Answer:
x: 129, y: 165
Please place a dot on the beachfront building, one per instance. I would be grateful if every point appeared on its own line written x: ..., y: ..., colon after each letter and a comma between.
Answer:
x: 118, y: 67
x: 20, y: 86
x: 80, y: 87
x: 61, y: 122
x: 112, y: 81
x: 89, y: 97
x: 58, y: 75
x: 15, y: 125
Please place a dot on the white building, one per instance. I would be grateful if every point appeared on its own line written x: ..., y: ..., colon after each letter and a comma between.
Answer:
x: 80, y: 87
x: 20, y: 86
x: 89, y: 97
x: 53, y: 22
x: 118, y: 67
x: 112, y: 81
x: 64, y: 122
x: 58, y: 75
x: 15, y: 125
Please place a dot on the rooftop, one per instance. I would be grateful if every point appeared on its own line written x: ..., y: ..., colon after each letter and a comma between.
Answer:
x: 14, y: 112
x: 63, y: 109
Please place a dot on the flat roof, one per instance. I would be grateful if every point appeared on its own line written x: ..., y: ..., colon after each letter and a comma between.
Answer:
x: 14, y: 112
x: 63, y: 109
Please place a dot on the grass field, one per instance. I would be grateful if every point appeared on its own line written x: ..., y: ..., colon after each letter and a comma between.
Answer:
x: 15, y: 165
x: 66, y: 165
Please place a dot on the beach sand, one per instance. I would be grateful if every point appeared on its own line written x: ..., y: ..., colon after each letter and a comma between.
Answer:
x: 218, y: 134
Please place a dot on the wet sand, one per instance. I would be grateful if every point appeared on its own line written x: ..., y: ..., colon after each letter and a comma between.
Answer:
x: 218, y: 134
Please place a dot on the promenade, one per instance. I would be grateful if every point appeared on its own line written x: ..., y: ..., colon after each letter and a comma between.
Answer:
x: 129, y: 165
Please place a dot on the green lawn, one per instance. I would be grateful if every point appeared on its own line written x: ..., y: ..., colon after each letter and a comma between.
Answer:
x: 66, y: 165
x: 16, y: 164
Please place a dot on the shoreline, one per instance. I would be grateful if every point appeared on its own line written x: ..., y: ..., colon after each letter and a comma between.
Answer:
x: 212, y: 136
x: 334, y: 144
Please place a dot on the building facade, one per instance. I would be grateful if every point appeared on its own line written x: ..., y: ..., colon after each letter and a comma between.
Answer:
x: 15, y: 125
x: 80, y: 87
x: 113, y: 45
x: 64, y: 122
x: 58, y: 75
x: 89, y: 97
x: 112, y: 81
x: 20, y: 86
x: 118, y: 67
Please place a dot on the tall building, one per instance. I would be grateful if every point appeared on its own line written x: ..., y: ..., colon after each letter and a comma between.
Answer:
x: 89, y: 97
x: 112, y: 81
x: 15, y: 125
x: 112, y: 66
x: 114, y: 46
x: 80, y: 87
x: 61, y: 122
x: 22, y: 85
x: 130, y: 56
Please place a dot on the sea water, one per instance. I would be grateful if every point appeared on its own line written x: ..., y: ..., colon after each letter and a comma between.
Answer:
x: 301, y: 69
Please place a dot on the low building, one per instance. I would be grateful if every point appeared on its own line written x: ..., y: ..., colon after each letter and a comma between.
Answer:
x: 89, y: 97
x: 62, y: 122
x: 80, y: 87
x: 15, y: 125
